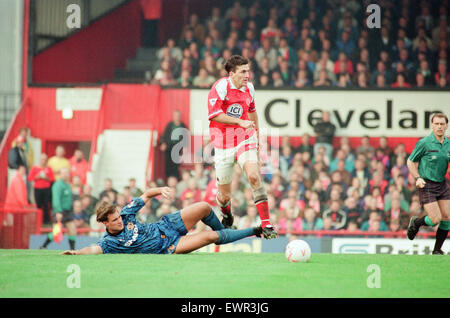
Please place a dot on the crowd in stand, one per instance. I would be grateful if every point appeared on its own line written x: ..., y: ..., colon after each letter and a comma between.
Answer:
x: 367, y: 188
x: 295, y: 43
x: 289, y: 43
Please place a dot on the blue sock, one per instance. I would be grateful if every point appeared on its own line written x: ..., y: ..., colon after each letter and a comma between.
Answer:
x: 230, y: 235
x: 213, y: 222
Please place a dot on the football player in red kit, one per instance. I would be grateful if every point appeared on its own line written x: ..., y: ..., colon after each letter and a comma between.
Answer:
x: 234, y: 134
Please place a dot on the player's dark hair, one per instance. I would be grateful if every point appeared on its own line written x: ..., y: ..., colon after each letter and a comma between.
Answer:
x: 439, y: 115
x: 234, y: 61
x: 103, y: 210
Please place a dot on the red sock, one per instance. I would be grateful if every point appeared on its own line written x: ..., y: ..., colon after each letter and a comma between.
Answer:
x: 263, y: 210
x: 226, y: 209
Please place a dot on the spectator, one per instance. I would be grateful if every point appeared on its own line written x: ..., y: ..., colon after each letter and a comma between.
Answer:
x: 362, y: 80
x: 58, y: 161
x: 324, y: 64
x: 302, y: 79
x: 311, y: 222
x: 396, y: 213
x: 109, y: 190
x: 87, y: 191
x: 325, y: 131
x: 346, y: 44
x: 167, y: 144
x: 289, y: 30
x: 271, y: 32
x: 291, y: 222
x: 424, y: 69
x: 337, y: 215
x: 277, y: 81
x: 353, y: 211
x: 192, y: 192
x: 185, y: 79
x: 17, y: 157
x: 305, y: 145
x: 442, y: 73
x: 197, y: 29
x: 292, y: 201
x: 361, y: 172
x: 134, y: 190
x: 87, y: 205
x: 251, y: 219
x: 343, y: 65
x: 26, y: 146
x: 80, y: 217
x: 328, y: 224
x: 365, y: 146
x: 79, y: 166
x: 203, y: 79
x: 77, y: 188
x: 208, y: 46
x: 16, y: 194
x: 164, y: 75
x: 42, y: 177
x: 286, y: 73
x: 400, y: 82
x: 381, y: 70
x: 420, y: 80
x: 323, y: 80
x: 374, y: 223
x: 266, y: 51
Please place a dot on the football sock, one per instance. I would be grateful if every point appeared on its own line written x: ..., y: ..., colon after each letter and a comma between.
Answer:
x: 213, y: 222
x: 425, y: 220
x: 225, y: 208
x: 260, y: 197
x: 230, y: 235
x: 72, y: 239
x: 49, y: 239
x: 441, y: 234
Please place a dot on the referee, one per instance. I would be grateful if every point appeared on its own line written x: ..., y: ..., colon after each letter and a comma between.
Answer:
x: 428, y: 164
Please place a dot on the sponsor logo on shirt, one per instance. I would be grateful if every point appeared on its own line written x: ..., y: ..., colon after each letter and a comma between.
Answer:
x: 213, y: 101
x: 235, y: 110
x: 135, y: 234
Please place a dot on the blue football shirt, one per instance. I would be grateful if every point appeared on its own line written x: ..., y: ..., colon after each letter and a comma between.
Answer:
x: 136, y: 237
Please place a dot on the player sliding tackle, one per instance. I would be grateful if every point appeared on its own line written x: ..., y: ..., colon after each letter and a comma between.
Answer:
x: 235, y: 137
x: 124, y: 234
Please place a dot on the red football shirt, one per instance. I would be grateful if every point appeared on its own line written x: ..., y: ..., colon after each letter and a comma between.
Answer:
x: 225, y: 98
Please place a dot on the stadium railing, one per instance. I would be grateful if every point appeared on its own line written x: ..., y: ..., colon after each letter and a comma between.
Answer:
x: 317, y: 233
x: 17, y: 224
x: 366, y: 234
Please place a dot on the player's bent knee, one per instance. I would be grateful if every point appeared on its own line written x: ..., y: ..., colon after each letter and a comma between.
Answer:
x: 212, y: 237
x: 205, y: 207
x: 254, y: 179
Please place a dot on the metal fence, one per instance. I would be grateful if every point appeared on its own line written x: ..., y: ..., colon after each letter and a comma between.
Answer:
x: 9, y: 103
x: 49, y: 19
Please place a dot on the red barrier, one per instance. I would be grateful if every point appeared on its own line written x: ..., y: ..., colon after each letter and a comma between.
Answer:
x: 318, y: 233
x: 380, y: 234
x: 16, y: 226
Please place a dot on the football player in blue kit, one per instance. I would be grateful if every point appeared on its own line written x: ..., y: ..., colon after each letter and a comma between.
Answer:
x: 124, y: 234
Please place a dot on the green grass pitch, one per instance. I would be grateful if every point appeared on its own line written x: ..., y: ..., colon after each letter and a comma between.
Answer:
x: 36, y: 273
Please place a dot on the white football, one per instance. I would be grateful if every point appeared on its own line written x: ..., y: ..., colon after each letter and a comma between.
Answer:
x: 298, y: 251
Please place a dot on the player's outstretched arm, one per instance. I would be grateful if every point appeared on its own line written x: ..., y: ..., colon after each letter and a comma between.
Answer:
x: 166, y: 192
x: 94, y: 249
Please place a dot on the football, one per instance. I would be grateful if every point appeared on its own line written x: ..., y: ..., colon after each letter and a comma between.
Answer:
x: 298, y: 251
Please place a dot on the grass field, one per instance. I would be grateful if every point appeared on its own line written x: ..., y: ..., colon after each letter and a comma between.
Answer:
x: 36, y: 273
